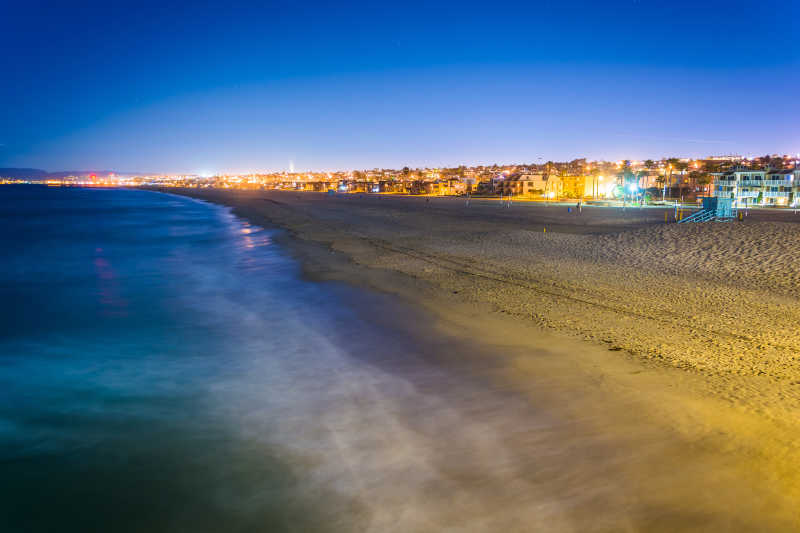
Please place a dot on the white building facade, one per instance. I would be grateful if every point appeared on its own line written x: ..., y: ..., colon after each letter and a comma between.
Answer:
x: 759, y: 187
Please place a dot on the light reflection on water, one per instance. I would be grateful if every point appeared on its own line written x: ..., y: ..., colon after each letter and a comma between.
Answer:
x: 128, y: 320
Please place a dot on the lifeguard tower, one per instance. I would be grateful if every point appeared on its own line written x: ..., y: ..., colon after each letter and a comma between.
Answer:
x: 714, y: 209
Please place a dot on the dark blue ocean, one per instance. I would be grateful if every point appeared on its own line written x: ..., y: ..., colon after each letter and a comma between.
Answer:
x: 133, y: 330
x: 165, y: 367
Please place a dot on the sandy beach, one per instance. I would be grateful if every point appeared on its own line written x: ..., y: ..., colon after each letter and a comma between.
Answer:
x: 681, y: 327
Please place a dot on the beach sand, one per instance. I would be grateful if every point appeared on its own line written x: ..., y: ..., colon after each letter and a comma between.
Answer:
x: 665, y: 332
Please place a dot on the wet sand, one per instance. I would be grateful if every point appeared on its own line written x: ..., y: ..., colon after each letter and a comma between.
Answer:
x: 683, y: 399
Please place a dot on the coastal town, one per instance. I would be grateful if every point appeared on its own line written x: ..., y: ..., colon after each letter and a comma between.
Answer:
x: 769, y: 181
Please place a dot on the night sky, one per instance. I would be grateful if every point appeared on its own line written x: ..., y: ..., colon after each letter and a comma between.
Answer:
x: 206, y: 88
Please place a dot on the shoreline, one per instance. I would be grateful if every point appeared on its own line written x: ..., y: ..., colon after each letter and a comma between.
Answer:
x: 654, y: 393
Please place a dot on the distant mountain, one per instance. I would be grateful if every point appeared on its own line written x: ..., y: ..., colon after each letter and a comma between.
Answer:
x: 23, y: 173
x: 39, y: 174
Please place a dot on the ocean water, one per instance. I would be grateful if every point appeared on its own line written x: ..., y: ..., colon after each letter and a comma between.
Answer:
x: 164, y: 366
x: 161, y: 368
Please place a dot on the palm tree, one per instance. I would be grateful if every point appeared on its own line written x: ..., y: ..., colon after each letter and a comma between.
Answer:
x: 639, y: 177
x: 694, y: 178
x: 703, y: 179
x: 682, y: 166
x: 672, y: 162
x: 595, y: 174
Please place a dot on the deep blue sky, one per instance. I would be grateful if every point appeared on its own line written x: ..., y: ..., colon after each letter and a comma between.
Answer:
x: 201, y: 87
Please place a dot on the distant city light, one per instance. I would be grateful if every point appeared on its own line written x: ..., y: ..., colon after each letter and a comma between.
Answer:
x: 553, y: 180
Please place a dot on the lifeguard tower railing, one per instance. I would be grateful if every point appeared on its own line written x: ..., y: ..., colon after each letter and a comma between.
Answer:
x: 714, y: 209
